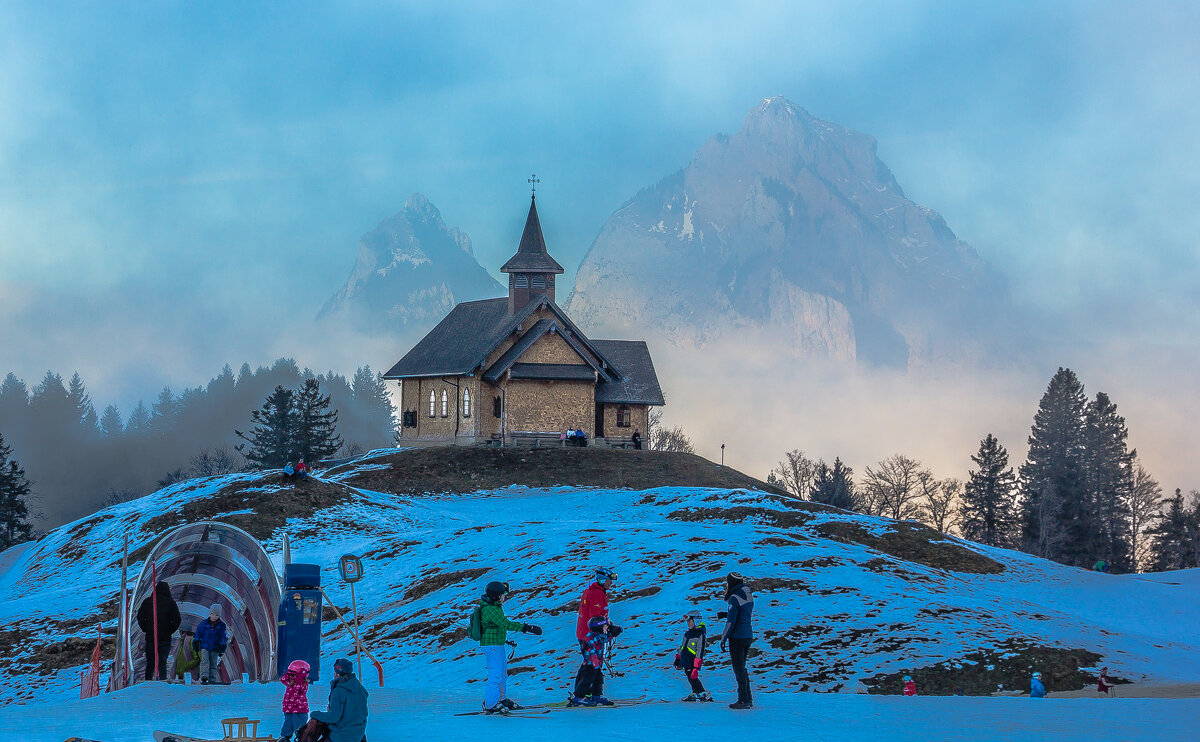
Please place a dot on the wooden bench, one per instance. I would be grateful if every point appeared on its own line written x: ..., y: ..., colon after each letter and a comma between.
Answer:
x: 535, y: 440
x: 621, y: 442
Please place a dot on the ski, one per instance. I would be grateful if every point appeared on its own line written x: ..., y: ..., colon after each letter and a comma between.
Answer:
x: 530, y: 711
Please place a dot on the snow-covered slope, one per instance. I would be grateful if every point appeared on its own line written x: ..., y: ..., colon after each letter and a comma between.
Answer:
x: 842, y: 600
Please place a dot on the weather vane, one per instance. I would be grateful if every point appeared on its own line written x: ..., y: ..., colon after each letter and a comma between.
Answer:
x: 532, y: 180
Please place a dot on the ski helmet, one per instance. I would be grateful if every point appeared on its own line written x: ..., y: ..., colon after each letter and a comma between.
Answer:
x: 606, y: 573
x: 299, y: 666
x: 496, y: 589
x: 908, y: 678
x: 1037, y: 676
x: 596, y: 623
x: 694, y: 615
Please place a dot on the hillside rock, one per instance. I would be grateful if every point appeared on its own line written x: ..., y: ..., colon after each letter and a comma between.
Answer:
x: 792, y: 226
x: 411, y: 270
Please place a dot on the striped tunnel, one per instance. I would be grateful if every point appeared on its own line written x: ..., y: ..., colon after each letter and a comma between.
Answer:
x: 206, y: 563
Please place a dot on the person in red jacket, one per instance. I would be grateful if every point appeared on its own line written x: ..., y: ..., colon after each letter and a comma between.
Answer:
x: 910, y: 688
x: 594, y: 602
x: 1103, y: 685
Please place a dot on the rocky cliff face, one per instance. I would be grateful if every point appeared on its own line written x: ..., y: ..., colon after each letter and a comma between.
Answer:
x: 411, y: 270
x: 791, y: 231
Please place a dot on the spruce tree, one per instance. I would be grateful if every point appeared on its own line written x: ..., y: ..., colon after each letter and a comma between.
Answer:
x: 834, y: 485
x: 139, y: 420
x: 375, y: 405
x: 1173, y: 535
x: 316, y: 434
x: 989, y: 502
x: 14, y: 494
x: 165, y: 413
x: 1056, y: 522
x: 272, y: 438
x: 110, y: 422
x: 1108, y: 478
x: 78, y: 396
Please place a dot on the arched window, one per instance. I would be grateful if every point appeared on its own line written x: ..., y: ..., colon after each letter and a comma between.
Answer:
x: 432, y: 413
x: 623, y: 416
x: 445, y: 404
x: 466, y: 402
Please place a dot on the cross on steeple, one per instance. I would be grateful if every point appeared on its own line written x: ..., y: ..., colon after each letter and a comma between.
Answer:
x: 533, y: 180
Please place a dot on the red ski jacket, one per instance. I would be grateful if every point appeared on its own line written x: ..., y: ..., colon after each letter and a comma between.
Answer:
x: 910, y: 688
x: 593, y: 603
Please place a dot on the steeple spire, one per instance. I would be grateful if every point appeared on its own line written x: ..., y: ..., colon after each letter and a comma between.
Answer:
x: 531, y: 271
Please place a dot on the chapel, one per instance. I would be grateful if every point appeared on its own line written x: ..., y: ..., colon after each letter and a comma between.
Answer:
x: 499, y: 370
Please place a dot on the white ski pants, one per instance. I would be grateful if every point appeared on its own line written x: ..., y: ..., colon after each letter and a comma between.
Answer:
x: 496, y: 689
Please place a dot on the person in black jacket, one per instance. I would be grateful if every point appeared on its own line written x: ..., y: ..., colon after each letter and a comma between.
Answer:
x: 739, y: 633
x: 168, y: 624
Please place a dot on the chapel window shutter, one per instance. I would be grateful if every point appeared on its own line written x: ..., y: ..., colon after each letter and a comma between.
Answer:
x: 432, y: 402
x: 445, y: 404
x: 466, y: 403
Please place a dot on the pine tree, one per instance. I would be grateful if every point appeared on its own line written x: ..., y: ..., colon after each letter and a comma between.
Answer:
x: 1108, y: 480
x: 165, y: 413
x: 1055, y: 520
x: 989, y: 509
x: 14, y: 400
x: 14, y: 494
x: 1173, y: 536
x: 372, y: 398
x: 316, y: 434
x: 78, y: 396
x: 274, y: 433
x: 834, y: 485
x: 139, y: 420
x: 110, y: 422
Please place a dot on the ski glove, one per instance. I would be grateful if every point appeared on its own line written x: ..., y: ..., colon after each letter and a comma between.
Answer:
x: 695, y: 673
x: 531, y: 629
x: 677, y: 662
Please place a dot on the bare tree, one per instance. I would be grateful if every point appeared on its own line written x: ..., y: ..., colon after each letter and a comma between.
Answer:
x: 896, y: 487
x: 1145, y: 501
x: 1050, y: 533
x: 941, y: 508
x: 662, y: 438
x: 795, y: 473
x: 214, y: 462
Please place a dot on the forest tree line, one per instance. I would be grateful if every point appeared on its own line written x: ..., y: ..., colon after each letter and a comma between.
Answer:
x: 1081, y: 497
x: 78, y: 459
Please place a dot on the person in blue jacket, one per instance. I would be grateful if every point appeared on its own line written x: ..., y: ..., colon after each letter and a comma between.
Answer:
x: 210, y: 641
x: 1036, y: 689
x: 739, y: 634
x: 346, y: 719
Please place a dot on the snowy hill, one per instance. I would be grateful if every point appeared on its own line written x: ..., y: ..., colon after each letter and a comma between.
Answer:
x: 844, y: 601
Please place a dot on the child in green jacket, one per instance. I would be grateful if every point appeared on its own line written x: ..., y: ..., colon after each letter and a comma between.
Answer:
x: 492, y: 627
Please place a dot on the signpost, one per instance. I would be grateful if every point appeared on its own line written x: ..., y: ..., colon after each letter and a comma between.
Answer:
x: 352, y: 571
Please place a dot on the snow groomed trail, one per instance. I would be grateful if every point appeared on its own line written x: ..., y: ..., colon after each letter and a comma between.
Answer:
x: 398, y: 715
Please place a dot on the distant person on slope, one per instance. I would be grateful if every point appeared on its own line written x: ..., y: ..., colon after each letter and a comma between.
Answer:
x: 1036, y: 689
x: 910, y: 688
x: 289, y: 471
x: 589, y: 681
x: 346, y: 719
x: 210, y: 642
x: 739, y: 634
x: 1103, y: 686
x: 636, y: 438
x: 302, y: 469
x: 690, y: 656
x: 490, y: 628
x: 167, y: 611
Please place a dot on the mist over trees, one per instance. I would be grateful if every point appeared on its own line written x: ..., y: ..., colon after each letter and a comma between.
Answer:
x: 78, y: 460
x: 1081, y: 497
x: 14, y: 496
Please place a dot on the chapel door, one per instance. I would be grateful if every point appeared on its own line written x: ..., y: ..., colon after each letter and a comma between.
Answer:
x: 599, y: 421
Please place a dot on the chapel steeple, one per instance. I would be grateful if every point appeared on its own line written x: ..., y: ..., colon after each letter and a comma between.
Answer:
x: 531, y: 271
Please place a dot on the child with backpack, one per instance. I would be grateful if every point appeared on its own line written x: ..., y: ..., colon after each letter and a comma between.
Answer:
x: 910, y: 688
x: 589, y: 681
x: 690, y: 656
x: 490, y: 628
x: 295, y: 699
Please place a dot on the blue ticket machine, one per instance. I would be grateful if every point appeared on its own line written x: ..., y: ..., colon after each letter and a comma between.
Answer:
x: 300, y: 618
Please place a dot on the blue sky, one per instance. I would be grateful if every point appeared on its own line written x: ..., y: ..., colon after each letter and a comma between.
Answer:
x: 205, y: 169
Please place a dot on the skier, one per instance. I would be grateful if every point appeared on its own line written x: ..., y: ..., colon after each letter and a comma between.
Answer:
x: 1036, y: 689
x: 594, y: 602
x: 210, y: 642
x: 346, y: 719
x: 690, y: 656
x: 739, y: 633
x: 589, y: 681
x: 168, y: 621
x: 490, y: 627
x: 295, y: 699
x: 1102, y: 683
x: 910, y: 688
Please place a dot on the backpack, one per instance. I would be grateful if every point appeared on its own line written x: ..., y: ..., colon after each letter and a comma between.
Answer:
x: 475, y: 629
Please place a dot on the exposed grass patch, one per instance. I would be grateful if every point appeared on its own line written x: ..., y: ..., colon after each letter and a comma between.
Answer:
x: 742, y: 514
x: 433, y: 581
x: 1011, y: 665
x: 914, y: 543
x: 459, y: 469
x: 271, y: 509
